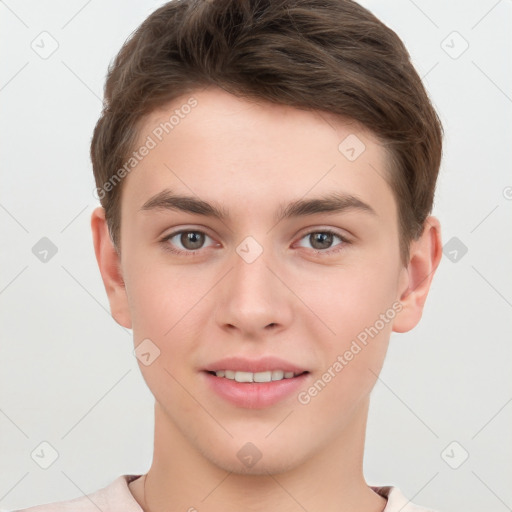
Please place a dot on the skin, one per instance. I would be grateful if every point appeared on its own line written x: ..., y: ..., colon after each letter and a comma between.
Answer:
x: 251, y: 157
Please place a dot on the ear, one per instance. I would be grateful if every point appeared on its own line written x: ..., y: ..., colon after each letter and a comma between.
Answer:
x: 415, y: 280
x: 109, y: 263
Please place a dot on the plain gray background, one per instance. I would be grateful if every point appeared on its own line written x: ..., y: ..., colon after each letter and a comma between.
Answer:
x: 68, y: 376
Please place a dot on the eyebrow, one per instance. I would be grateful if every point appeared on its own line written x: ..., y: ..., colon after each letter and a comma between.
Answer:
x: 330, y: 203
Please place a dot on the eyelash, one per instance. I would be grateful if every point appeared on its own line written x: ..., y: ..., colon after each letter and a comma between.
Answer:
x: 180, y: 252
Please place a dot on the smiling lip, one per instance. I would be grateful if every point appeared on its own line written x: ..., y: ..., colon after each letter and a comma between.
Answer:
x: 263, y: 364
x: 254, y: 395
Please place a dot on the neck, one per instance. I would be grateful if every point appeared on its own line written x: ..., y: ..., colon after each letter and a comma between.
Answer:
x: 181, y: 479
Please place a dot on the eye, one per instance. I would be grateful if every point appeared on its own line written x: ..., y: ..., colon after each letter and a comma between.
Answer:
x: 322, y: 240
x: 190, y: 240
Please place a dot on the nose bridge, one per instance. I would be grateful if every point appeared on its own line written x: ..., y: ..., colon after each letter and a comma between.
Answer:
x: 253, y: 296
x: 251, y: 274
x: 251, y: 277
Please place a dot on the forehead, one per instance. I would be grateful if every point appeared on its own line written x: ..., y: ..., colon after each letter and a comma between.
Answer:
x: 247, y: 154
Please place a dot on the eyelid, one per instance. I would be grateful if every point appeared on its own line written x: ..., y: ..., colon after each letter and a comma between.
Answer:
x: 327, y: 229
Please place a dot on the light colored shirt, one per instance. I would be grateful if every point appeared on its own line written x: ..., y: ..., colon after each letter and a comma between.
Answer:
x: 117, y: 497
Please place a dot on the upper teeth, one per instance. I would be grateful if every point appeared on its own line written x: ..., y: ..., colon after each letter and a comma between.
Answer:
x: 255, y: 377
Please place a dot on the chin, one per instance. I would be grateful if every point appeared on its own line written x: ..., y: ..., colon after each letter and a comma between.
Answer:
x: 257, y: 459
x: 274, y: 465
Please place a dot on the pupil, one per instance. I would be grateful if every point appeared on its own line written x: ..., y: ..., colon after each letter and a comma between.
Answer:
x: 325, y: 238
x: 192, y: 240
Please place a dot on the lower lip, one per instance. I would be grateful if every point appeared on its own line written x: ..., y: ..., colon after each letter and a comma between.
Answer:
x: 254, y: 395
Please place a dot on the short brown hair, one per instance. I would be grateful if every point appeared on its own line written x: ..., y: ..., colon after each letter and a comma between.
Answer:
x: 332, y: 55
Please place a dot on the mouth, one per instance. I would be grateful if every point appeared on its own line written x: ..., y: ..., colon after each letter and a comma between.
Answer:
x: 256, y: 377
x: 254, y: 384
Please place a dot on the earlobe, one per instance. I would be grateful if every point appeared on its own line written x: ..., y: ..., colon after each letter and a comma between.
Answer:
x: 425, y: 256
x: 110, y: 268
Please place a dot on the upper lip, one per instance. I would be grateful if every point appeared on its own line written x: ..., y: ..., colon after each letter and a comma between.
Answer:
x: 262, y: 364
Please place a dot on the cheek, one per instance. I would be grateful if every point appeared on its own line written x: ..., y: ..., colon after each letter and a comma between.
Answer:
x: 165, y: 304
x: 357, y: 305
x: 160, y: 297
x: 351, y: 299
x: 353, y: 358
x: 162, y: 303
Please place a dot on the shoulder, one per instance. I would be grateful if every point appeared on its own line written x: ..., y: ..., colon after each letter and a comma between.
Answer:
x: 397, y: 502
x: 113, y: 497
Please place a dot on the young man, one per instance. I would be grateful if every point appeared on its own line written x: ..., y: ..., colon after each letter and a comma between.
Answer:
x: 266, y: 171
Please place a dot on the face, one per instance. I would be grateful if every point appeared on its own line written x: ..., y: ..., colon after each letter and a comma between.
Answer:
x: 275, y: 284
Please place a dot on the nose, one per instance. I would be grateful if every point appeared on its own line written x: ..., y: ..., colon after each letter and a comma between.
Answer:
x: 253, y: 300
